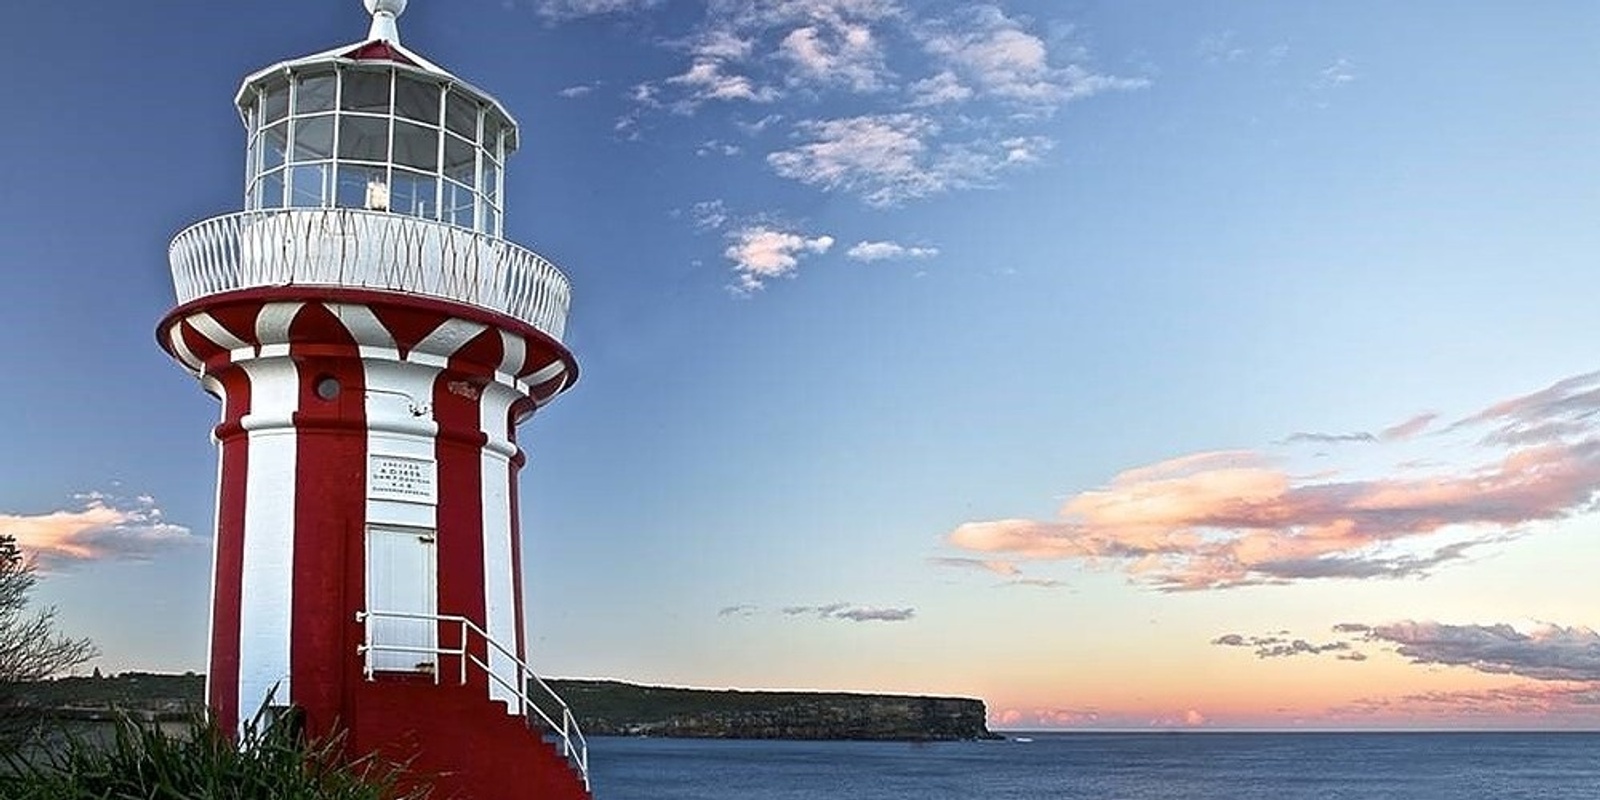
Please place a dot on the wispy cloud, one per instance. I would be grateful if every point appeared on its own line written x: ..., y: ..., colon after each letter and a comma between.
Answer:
x: 991, y: 55
x: 569, y: 9
x: 1222, y: 519
x: 580, y: 90
x: 1280, y: 646
x: 845, y: 611
x: 1004, y: 569
x: 1571, y: 704
x: 99, y: 527
x: 888, y: 159
x: 760, y: 254
x: 888, y: 251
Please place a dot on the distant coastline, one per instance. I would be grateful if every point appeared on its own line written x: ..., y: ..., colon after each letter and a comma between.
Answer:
x: 602, y: 707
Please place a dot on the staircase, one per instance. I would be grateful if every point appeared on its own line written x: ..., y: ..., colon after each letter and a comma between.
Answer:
x: 448, y: 729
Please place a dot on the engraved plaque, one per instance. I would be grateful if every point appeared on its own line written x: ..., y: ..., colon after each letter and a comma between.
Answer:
x: 407, y: 479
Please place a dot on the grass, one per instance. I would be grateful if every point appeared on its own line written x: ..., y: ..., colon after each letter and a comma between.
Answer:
x: 139, y: 760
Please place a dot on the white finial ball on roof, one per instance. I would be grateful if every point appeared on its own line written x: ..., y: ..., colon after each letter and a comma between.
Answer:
x: 391, y: 7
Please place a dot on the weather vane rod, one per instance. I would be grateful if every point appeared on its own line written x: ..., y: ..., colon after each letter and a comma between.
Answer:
x: 385, y: 19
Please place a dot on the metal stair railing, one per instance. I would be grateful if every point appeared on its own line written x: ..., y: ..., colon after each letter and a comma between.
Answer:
x: 574, y: 746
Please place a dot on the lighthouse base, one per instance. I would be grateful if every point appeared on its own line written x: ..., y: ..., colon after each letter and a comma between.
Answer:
x: 466, y: 748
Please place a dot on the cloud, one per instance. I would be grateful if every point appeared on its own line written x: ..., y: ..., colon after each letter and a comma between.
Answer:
x: 708, y: 79
x: 839, y: 53
x: 761, y: 253
x: 1222, y: 519
x: 101, y: 527
x: 571, y: 9
x: 1279, y: 646
x: 1577, y: 703
x: 941, y: 89
x: 1001, y: 568
x: 1546, y: 653
x: 888, y: 159
x: 741, y: 610
x: 845, y: 611
x: 580, y: 90
x: 717, y: 147
x: 709, y: 215
x: 1337, y: 74
x: 1410, y: 428
x: 886, y: 251
x: 993, y: 55
x: 1556, y: 413
x: 1330, y: 438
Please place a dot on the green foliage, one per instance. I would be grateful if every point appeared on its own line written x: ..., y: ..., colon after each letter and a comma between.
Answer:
x: 30, y: 647
x: 141, y: 761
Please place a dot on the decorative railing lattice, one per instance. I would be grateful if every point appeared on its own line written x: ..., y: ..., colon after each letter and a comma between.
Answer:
x: 358, y: 249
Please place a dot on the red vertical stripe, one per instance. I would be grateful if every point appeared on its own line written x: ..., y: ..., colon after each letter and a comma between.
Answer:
x: 459, y: 449
x: 222, y: 682
x: 330, y: 511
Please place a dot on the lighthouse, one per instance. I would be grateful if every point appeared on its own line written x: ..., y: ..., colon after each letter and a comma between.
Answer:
x: 374, y: 342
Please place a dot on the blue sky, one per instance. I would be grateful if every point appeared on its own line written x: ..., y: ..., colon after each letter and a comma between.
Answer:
x: 924, y: 345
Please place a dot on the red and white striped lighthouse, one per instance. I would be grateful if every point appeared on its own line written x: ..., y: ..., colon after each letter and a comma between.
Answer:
x: 375, y: 343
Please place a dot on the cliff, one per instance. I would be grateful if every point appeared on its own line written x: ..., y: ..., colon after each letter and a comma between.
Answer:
x: 612, y: 708
x: 603, y: 708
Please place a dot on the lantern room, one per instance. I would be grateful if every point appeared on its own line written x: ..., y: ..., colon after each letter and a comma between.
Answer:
x: 375, y: 127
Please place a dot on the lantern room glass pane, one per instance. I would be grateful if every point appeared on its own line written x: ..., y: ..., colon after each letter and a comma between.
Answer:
x: 416, y: 100
x: 416, y: 146
x: 275, y: 101
x: 364, y: 138
x: 358, y: 185
x: 308, y: 185
x: 461, y: 115
x: 313, y: 138
x: 491, y: 182
x: 272, y: 189
x: 365, y: 91
x: 415, y: 193
x: 315, y: 93
x: 274, y: 145
x: 459, y: 204
x: 460, y: 160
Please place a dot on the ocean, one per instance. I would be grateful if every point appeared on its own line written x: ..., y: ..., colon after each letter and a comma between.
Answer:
x: 1110, y: 766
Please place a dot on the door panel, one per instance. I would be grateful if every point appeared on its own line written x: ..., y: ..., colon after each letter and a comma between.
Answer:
x: 402, y: 579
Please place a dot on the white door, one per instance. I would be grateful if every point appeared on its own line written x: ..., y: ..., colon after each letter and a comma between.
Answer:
x: 402, y: 580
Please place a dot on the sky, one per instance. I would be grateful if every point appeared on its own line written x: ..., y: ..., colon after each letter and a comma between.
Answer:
x: 1124, y: 364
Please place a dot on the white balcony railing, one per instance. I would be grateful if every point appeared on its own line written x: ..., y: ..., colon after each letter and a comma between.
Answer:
x: 357, y: 249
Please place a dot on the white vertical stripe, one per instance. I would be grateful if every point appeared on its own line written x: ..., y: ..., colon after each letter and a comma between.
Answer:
x: 216, y: 388
x: 499, y: 587
x: 267, y: 585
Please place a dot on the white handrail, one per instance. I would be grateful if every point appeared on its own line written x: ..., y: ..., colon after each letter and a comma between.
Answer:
x: 358, y: 249
x: 574, y: 746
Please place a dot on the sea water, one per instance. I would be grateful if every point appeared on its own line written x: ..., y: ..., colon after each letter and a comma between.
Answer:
x: 1131, y: 766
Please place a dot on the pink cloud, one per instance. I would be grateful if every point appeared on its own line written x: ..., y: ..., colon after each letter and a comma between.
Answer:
x: 1541, y: 704
x: 1219, y: 519
x: 101, y: 527
x: 1409, y: 428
